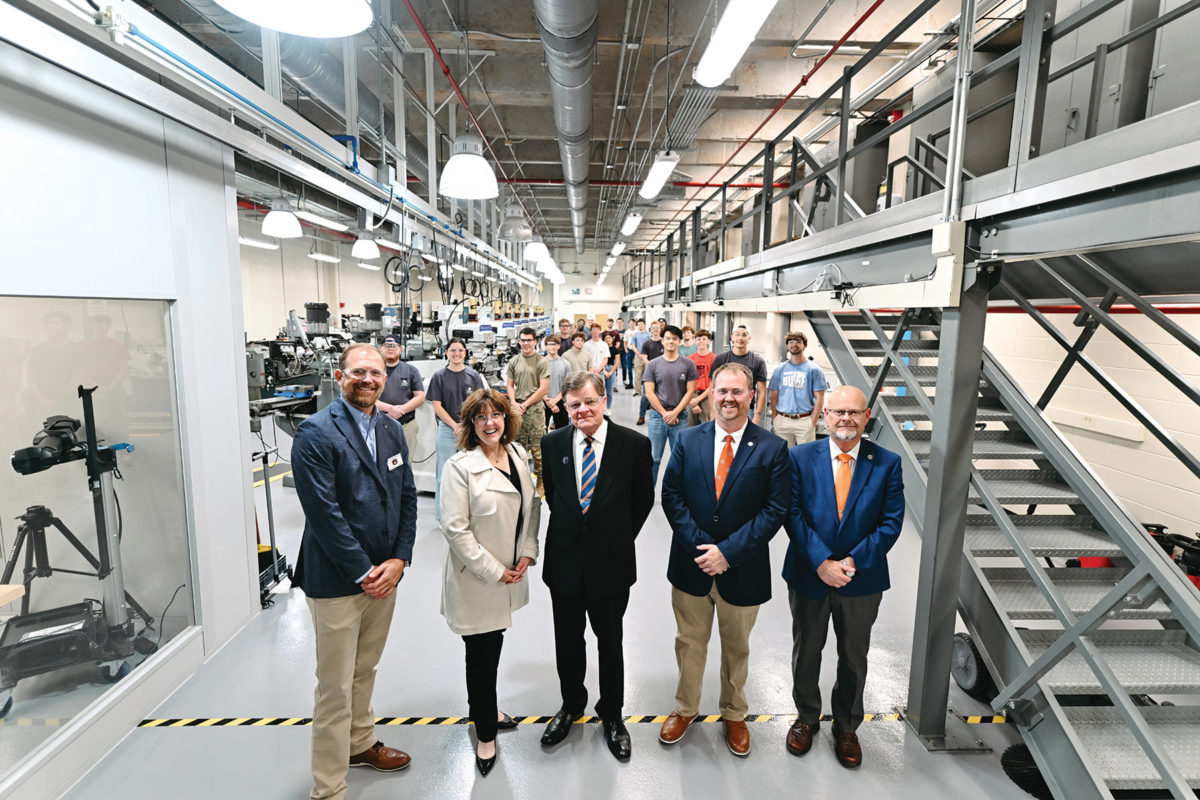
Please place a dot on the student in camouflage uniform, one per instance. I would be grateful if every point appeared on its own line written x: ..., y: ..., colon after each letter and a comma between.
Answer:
x: 528, y: 380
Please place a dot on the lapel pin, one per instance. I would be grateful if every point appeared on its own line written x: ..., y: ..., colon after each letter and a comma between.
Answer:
x: 566, y: 460
x: 750, y: 444
x: 870, y: 457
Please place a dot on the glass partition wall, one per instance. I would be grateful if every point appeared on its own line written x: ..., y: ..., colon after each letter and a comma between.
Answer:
x: 92, y: 517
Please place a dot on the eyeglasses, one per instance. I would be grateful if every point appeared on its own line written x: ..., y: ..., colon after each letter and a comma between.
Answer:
x: 731, y: 392
x: 844, y: 412
x: 495, y: 416
x: 526, y: 340
x: 360, y: 373
x: 590, y: 402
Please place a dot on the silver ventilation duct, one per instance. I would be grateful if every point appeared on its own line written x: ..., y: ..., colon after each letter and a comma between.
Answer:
x: 315, y: 71
x: 568, y: 30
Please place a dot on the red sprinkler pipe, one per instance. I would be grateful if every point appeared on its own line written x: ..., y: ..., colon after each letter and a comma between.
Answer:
x: 454, y: 84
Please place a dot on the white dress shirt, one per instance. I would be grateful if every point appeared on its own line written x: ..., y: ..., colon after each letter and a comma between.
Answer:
x: 597, y: 450
x: 835, y: 451
x: 719, y: 442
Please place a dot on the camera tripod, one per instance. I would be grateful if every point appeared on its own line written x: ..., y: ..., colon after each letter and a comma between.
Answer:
x: 32, y: 532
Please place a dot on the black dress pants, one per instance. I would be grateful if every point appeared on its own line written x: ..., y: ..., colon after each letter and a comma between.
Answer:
x: 604, y: 609
x: 483, y: 663
x: 852, y: 621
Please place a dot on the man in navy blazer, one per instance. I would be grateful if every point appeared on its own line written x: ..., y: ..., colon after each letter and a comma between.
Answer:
x: 360, y: 512
x: 847, y: 511
x: 726, y: 493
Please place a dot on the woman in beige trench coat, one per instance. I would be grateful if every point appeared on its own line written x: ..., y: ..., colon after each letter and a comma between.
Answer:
x: 490, y: 514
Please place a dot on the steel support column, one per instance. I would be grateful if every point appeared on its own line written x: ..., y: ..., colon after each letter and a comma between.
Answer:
x: 695, y: 253
x: 666, y: 284
x: 431, y: 131
x: 843, y: 146
x: 960, y: 360
x: 272, y: 72
x: 768, y: 184
x: 1030, y: 96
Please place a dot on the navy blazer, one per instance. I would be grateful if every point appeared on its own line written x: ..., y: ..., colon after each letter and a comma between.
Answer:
x: 358, y: 512
x: 753, y: 505
x: 870, y: 523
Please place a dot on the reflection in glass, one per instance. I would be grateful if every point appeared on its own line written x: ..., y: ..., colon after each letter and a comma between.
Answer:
x: 91, y: 513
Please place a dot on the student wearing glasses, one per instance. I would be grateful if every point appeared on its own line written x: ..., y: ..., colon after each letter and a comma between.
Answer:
x: 599, y: 490
x: 490, y: 514
x: 846, y: 513
x: 527, y: 378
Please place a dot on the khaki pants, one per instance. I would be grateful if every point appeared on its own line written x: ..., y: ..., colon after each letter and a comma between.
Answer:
x: 795, y: 431
x: 694, y: 618
x: 639, y: 366
x: 533, y: 428
x: 411, y: 429
x: 350, y: 635
x: 704, y: 416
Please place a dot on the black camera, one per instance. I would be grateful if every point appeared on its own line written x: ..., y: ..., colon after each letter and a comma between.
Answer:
x: 55, y: 443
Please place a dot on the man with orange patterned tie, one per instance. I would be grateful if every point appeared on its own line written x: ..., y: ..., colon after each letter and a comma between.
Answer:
x: 847, y: 511
x: 725, y: 492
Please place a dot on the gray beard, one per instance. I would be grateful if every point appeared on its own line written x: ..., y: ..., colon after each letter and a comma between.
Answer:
x: 845, y: 435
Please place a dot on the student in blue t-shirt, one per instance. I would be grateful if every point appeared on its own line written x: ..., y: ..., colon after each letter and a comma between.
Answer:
x: 797, y: 391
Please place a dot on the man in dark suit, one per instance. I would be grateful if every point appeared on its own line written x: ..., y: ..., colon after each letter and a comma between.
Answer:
x: 599, y: 489
x: 360, y: 512
x: 847, y: 510
x: 726, y: 492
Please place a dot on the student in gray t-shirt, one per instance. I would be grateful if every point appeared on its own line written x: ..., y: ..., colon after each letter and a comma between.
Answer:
x: 669, y: 382
x: 448, y: 388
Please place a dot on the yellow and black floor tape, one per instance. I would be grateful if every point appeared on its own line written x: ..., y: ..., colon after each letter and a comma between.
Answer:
x: 257, y: 722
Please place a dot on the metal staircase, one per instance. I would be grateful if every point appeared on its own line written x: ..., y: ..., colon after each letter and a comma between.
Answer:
x: 1074, y: 651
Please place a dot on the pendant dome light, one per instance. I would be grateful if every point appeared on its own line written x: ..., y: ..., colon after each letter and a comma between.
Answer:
x: 281, y: 221
x: 515, y: 228
x: 468, y: 175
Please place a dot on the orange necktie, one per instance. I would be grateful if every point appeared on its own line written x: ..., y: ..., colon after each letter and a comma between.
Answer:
x: 841, y: 482
x: 724, y: 464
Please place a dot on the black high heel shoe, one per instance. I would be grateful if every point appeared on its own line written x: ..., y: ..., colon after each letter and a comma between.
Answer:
x: 485, y: 764
x: 506, y: 723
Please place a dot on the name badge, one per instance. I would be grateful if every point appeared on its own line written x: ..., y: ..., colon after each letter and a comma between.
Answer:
x: 395, y: 461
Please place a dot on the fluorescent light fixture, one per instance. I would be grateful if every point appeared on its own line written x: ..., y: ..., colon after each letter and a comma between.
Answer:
x: 664, y: 164
x: 477, y: 273
x: 458, y: 268
x: 536, y: 250
x: 317, y: 255
x: 374, y: 267
x: 425, y: 277
x: 631, y: 222
x: 281, y: 221
x: 322, y: 19
x: 618, y: 248
x: 365, y: 248
x: 606, y: 270
x: 515, y: 228
x: 608, y: 262
x: 262, y: 243
x: 322, y: 222
x: 735, y: 31
x: 468, y: 175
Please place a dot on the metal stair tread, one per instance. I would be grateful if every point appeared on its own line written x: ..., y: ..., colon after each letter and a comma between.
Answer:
x: 1143, y: 661
x: 872, y: 346
x: 1030, y: 491
x: 982, y: 449
x: 1045, y: 542
x: 1120, y: 761
x: 1082, y: 589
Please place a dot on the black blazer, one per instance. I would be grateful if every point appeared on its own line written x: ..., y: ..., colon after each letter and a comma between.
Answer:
x: 597, y: 549
x: 358, y: 511
x: 752, y: 508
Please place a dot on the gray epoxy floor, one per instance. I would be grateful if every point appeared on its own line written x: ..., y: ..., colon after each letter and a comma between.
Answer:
x: 267, y: 671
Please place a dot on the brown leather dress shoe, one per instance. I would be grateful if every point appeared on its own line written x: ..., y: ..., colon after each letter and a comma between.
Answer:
x: 800, y: 737
x: 849, y: 752
x: 737, y: 736
x: 674, y: 728
x: 381, y: 757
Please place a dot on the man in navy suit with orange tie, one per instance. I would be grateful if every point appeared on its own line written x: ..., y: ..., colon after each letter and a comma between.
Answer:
x: 726, y: 493
x: 847, y: 511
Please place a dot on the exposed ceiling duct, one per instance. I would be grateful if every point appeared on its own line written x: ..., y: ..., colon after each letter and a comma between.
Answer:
x: 315, y: 71
x: 568, y: 30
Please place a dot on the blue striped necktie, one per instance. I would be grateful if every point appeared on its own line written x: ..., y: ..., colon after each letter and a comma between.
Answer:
x: 587, y: 481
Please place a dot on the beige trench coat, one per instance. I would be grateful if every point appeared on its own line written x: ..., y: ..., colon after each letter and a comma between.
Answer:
x: 479, y: 508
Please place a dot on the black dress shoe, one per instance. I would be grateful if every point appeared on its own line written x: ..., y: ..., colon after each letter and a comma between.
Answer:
x: 617, y: 738
x: 485, y: 764
x: 558, y: 727
x: 506, y: 723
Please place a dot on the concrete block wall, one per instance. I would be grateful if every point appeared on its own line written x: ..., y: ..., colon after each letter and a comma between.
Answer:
x: 1135, y: 466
